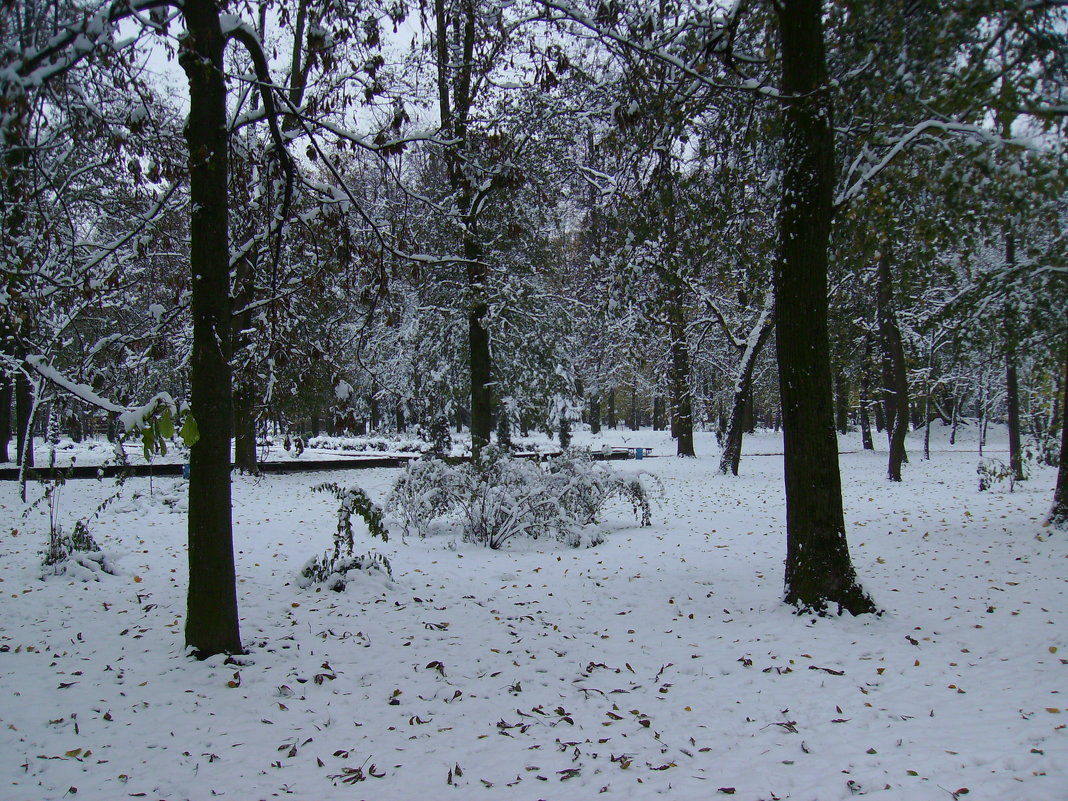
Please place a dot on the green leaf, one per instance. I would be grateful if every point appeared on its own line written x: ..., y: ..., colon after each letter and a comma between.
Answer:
x: 166, y: 425
x: 147, y: 440
x: 190, y: 434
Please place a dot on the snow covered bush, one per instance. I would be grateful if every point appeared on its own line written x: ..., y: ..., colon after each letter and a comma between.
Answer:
x: 586, y: 486
x: 371, y: 444
x: 508, y: 498
x: 426, y: 491
x: 332, y: 569
x: 502, y: 497
x: 334, y: 572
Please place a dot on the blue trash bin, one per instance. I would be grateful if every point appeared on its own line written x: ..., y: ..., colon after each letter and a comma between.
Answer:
x: 185, y: 471
x: 639, y: 453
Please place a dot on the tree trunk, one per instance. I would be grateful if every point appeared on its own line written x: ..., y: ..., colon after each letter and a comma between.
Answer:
x: 211, y: 625
x: 455, y: 98
x: 955, y: 421
x: 1012, y: 384
x: 634, y: 422
x: 245, y: 458
x: 896, y: 386
x: 865, y: 401
x: 374, y: 412
x: 1058, y: 515
x: 595, y: 414
x: 927, y: 402
x: 244, y: 403
x: 481, y: 360
x: 1012, y: 402
x: 681, y: 397
x: 6, y: 395
x: 23, y: 420
x: 610, y: 413
x: 841, y: 398
x: 819, y: 572
x: 658, y: 413
x: 731, y: 456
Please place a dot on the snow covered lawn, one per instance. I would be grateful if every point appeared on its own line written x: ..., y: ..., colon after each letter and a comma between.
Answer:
x: 659, y: 664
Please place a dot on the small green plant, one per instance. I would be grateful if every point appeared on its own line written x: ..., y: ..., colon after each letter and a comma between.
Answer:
x: 76, y: 551
x: 332, y: 569
x: 994, y: 471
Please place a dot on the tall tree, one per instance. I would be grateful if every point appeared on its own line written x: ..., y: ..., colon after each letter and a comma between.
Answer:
x: 819, y: 572
x: 211, y: 624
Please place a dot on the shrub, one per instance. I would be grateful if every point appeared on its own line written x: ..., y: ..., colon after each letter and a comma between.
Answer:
x: 333, y: 572
x: 75, y: 553
x: 993, y: 471
x: 427, y: 490
x: 586, y: 486
x: 507, y: 498
x: 502, y: 497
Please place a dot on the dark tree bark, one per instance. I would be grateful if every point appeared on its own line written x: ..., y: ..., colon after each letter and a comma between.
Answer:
x: 895, y: 377
x: 245, y: 458
x: 479, y: 346
x: 819, y: 572
x: 211, y: 625
x: 595, y: 414
x: 1058, y: 515
x: 865, y: 401
x: 1012, y: 383
x: 610, y: 412
x: 841, y: 400
x: 6, y: 395
x: 865, y: 420
x: 374, y: 412
x: 455, y: 99
x: 658, y: 413
x: 681, y: 397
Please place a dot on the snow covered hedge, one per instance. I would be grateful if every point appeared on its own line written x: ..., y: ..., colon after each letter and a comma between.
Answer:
x: 502, y: 497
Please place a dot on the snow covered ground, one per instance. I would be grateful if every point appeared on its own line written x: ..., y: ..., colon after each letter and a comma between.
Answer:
x: 659, y: 664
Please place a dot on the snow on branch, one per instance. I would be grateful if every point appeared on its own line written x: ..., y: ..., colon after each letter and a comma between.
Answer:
x: 132, y: 418
x: 81, y: 391
x: 855, y: 186
x: 74, y: 41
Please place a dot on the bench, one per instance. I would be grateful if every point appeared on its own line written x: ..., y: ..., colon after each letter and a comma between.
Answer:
x: 625, y: 452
